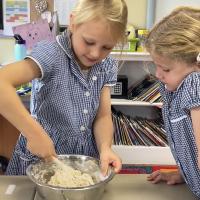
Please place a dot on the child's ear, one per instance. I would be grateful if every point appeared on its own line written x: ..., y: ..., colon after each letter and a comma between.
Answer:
x: 71, y: 23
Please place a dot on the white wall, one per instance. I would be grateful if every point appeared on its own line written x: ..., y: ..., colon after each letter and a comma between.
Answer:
x: 137, y: 12
x: 6, y: 50
x: 164, y: 7
x: 136, y: 16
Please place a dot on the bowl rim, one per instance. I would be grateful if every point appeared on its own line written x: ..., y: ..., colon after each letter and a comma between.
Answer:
x: 97, y: 185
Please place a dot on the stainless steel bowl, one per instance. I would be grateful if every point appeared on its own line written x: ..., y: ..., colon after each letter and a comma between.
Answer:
x: 85, y: 164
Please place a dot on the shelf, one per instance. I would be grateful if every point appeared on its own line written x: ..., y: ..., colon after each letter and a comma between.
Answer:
x: 131, y: 56
x: 139, y: 155
x: 152, y: 155
x: 4, y: 36
x: 126, y: 102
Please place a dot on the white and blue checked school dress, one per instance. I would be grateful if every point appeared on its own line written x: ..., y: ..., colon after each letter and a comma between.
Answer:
x: 64, y: 101
x: 178, y: 125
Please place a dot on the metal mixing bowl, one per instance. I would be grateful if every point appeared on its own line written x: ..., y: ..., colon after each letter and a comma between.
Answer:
x: 83, y: 163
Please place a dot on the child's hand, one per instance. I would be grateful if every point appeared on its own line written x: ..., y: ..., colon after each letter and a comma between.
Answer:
x: 170, y: 177
x: 41, y: 146
x: 107, y: 158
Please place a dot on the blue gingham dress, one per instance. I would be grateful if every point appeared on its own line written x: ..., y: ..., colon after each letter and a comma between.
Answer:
x: 178, y: 125
x: 64, y: 101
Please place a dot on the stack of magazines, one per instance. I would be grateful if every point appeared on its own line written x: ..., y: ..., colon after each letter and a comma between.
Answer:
x: 138, y: 131
x: 146, y: 90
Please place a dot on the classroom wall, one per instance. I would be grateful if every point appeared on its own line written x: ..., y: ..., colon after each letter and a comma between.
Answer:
x: 165, y: 7
x: 6, y: 50
x: 137, y: 12
x: 136, y: 16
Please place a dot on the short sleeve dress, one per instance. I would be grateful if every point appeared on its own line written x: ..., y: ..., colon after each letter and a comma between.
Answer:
x: 64, y: 101
x: 178, y: 125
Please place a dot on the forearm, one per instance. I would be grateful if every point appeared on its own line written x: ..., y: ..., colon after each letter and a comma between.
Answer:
x: 14, y: 111
x: 103, y: 131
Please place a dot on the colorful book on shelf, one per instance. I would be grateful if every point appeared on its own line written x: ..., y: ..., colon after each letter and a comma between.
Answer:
x: 146, y: 169
x: 138, y: 131
x: 146, y: 90
x: 157, y: 130
x: 125, y: 135
x: 149, y: 93
x: 117, y: 135
x: 143, y: 139
x: 139, y: 86
x: 121, y: 135
x: 155, y: 138
x: 131, y: 132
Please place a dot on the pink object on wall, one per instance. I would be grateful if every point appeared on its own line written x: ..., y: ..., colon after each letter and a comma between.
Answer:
x: 34, y: 32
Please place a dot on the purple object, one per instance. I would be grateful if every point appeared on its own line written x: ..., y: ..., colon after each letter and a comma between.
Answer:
x: 34, y: 32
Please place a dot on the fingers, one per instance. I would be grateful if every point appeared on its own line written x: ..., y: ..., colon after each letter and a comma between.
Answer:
x: 171, y: 182
x: 117, y: 165
x: 45, y: 149
x: 53, y: 152
x: 171, y: 177
x: 104, y: 167
x: 155, y: 177
x: 110, y: 158
x: 105, y: 164
x: 50, y: 158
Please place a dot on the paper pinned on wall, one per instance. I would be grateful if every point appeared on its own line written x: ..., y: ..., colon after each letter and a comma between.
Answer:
x: 64, y: 8
x: 15, y: 12
x: 34, y: 32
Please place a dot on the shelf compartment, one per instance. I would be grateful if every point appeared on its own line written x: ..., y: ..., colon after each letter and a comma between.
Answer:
x: 151, y: 155
x: 126, y: 102
x: 131, y: 56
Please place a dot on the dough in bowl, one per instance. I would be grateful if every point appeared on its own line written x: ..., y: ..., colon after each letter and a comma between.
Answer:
x: 70, y: 178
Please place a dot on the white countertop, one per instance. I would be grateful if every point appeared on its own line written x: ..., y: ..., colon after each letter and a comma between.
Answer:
x: 16, y: 188
x: 122, y: 187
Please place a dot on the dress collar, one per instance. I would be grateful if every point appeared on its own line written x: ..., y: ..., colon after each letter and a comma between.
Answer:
x: 64, y: 40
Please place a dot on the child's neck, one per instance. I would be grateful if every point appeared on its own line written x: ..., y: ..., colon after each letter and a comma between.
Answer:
x: 83, y: 67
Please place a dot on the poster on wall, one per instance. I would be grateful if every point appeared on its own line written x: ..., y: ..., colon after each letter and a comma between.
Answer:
x: 15, y: 12
x: 64, y: 8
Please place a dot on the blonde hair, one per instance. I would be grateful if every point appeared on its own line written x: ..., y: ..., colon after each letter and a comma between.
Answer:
x: 177, y: 36
x: 115, y: 13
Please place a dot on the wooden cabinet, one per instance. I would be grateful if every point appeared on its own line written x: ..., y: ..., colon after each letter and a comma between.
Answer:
x: 8, y: 137
x: 8, y: 133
